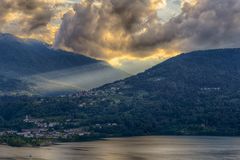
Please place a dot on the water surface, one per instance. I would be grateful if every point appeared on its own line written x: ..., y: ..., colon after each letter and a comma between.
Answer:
x: 134, y: 148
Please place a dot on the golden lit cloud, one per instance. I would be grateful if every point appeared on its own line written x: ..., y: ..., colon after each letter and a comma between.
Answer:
x: 158, y: 4
x: 192, y: 2
x: 37, y: 19
x: 107, y: 29
x: 54, y: 1
x: 45, y: 34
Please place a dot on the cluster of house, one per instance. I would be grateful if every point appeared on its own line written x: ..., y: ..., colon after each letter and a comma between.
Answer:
x: 40, y: 123
x: 92, y: 93
x: 98, y: 96
x: 45, y: 130
x: 46, y: 134
x: 105, y: 125
x: 210, y: 89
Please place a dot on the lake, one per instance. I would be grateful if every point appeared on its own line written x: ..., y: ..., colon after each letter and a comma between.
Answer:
x: 134, y: 148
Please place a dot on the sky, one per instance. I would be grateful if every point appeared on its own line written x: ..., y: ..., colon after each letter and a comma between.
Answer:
x: 132, y: 35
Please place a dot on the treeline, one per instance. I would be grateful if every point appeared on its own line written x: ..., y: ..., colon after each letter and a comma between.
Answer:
x: 19, y: 141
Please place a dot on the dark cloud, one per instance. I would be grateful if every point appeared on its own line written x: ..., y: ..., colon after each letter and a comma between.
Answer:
x: 109, y: 28
x: 33, y: 14
x: 97, y: 27
x: 208, y: 24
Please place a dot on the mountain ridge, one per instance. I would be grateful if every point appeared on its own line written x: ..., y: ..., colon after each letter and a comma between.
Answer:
x: 196, y: 93
x: 26, y: 60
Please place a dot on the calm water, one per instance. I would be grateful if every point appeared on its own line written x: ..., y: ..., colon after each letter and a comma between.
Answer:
x: 137, y: 148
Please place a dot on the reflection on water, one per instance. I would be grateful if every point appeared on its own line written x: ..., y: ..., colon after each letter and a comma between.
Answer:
x: 135, y: 148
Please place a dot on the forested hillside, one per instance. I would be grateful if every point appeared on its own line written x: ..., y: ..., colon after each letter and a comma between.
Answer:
x: 196, y: 93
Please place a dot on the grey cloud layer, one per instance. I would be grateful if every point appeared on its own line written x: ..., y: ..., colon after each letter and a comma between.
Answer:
x: 34, y: 13
x: 209, y: 24
x: 138, y: 31
x: 99, y: 25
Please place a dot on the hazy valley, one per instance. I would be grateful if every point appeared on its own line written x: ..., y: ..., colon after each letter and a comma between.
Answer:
x: 30, y: 67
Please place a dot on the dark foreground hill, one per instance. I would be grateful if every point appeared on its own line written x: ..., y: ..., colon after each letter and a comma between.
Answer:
x: 32, y: 67
x: 196, y: 93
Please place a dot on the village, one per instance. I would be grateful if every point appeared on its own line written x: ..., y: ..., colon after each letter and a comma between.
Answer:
x: 47, y: 130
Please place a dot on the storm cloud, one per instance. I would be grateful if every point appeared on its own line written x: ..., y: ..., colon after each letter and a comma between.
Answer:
x: 108, y: 29
x: 30, y: 14
x: 208, y: 24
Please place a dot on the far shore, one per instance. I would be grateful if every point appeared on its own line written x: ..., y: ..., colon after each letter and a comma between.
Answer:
x: 118, y: 138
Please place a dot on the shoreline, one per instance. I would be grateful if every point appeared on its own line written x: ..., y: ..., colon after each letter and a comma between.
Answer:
x: 55, y: 143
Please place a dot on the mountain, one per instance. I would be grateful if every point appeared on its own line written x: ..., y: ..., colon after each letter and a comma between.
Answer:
x: 43, y: 70
x: 196, y: 93
x: 191, y: 73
